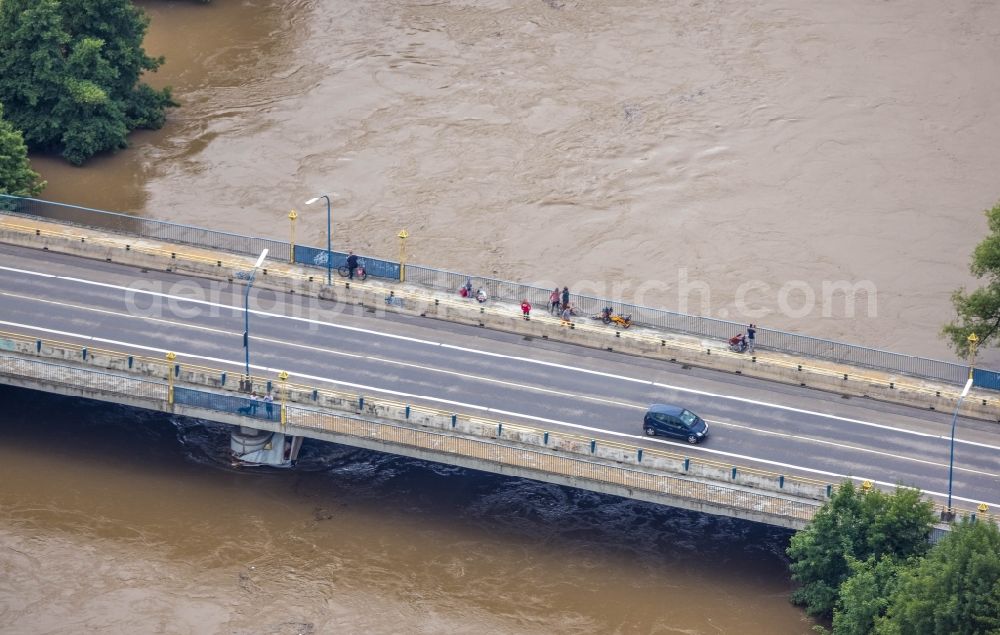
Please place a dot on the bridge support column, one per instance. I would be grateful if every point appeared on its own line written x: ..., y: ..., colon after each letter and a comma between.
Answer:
x: 260, y: 447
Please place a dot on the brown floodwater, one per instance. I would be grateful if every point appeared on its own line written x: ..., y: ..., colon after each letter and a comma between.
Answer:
x: 122, y: 521
x: 664, y: 152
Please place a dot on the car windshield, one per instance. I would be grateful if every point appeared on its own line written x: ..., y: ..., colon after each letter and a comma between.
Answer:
x: 688, y: 418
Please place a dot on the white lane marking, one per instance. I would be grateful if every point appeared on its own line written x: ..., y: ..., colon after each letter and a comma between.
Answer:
x: 519, y: 358
x: 510, y: 384
x: 567, y: 424
x: 29, y: 273
x: 121, y: 314
x: 329, y: 351
x: 196, y: 327
x: 846, y: 446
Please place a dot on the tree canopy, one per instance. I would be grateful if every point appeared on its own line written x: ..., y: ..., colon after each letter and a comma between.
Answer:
x: 69, y: 75
x: 865, y: 595
x: 979, y: 310
x: 855, y: 527
x: 16, y: 175
x: 953, y: 590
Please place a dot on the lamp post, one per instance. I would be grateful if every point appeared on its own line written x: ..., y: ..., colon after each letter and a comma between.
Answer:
x: 329, y: 237
x: 402, y: 235
x: 973, y: 342
x: 951, y: 454
x: 246, y: 315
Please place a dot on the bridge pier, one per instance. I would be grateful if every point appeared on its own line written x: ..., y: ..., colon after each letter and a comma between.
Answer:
x: 250, y: 446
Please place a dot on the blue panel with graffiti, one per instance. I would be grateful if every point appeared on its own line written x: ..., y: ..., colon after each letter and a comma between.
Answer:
x: 314, y: 257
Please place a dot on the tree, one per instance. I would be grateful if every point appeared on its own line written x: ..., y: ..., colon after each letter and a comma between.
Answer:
x: 93, y: 119
x: 979, y: 311
x: 864, y: 597
x: 857, y: 526
x: 16, y: 175
x: 32, y: 68
x: 122, y: 27
x: 70, y: 73
x: 954, y: 589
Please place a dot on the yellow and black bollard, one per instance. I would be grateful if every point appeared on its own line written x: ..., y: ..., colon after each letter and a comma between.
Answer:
x: 283, y: 376
x: 292, y: 215
x: 170, y: 377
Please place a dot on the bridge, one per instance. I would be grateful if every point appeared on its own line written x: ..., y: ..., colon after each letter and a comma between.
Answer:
x: 345, y: 367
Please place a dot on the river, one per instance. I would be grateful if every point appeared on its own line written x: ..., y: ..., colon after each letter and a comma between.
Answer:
x: 663, y: 152
x: 122, y: 521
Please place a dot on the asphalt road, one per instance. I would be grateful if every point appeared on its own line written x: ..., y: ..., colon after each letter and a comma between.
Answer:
x: 467, y: 369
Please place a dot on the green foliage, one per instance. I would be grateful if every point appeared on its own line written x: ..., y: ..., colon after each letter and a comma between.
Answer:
x: 954, y: 590
x: 979, y: 311
x: 864, y: 597
x: 70, y: 74
x: 16, y: 175
x: 854, y: 526
x: 32, y: 68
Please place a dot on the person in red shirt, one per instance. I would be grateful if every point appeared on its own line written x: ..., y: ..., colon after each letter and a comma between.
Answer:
x: 555, y: 301
x: 525, y: 308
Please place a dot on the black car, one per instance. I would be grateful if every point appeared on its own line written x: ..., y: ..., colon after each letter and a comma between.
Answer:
x: 674, y: 421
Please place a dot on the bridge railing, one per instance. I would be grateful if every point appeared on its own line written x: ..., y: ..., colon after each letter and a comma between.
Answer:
x: 64, y: 375
x: 449, y: 424
x: 504, y: 290
x: 562, y: 464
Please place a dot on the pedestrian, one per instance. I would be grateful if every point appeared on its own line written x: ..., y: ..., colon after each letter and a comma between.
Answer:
x: 352, y: 264
x: 525, y: 309
x: 253, y: 403
x: 269, y: 405
x: 751, y: 332
x: 554, y: 300
x: 566, y: 315
x: 565, y: 298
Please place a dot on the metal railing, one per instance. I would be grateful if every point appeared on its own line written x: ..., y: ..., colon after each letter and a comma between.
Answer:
x: 504, y: 290
x: 64, y: 375
x: 563, y: 465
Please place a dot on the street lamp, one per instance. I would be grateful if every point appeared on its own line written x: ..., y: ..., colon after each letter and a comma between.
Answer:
x: 973, y: 340
x: 973, y: 343
x: 329, y: 237
x: 951, y: 457
x: 402, y: 235
x: 246, y: 314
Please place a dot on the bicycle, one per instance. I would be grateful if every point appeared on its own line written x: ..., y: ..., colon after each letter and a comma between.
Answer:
x: 608, y: 316
x: 359, y: 272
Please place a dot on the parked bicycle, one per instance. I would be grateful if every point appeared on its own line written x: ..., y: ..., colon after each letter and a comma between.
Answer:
x: 359, y: 271
x: 608, y: 316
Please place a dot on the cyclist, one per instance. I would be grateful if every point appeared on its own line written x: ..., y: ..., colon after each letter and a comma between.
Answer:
x: 352, y: 264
